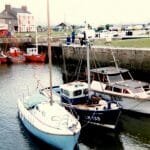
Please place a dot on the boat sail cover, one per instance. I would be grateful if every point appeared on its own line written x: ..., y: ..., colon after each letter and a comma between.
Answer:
x: 34, y: 100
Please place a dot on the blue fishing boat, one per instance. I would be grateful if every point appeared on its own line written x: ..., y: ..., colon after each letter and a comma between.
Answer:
x: 88, y: 105
x: 89, y: 109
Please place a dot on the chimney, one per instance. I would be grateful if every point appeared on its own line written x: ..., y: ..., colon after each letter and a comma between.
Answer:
x: 24, y: 8
x: 7, y: 7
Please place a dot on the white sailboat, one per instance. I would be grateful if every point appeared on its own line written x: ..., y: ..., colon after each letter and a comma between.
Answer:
x: 46, y: 119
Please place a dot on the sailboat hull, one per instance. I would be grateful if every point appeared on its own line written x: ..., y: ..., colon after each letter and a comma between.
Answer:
x: 62, y: 142
x: 59, y: 140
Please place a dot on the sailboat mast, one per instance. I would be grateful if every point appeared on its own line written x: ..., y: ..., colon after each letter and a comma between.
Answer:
x: 49, y: 52
x: 88, y: 64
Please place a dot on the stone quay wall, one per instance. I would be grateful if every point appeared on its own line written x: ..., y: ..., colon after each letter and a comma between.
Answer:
x: 131, y: 58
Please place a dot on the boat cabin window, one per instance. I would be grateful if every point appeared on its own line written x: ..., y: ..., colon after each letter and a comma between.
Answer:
x: 77, y: 93
x: 146, y: 88
x: 126, y: 76
x: 65, y: 92
x: 115, y: 77
x: 109, y: 88
x: 125, y: 91
x: 99, y: 77
x: 85, y: 91
x: 117, y: 90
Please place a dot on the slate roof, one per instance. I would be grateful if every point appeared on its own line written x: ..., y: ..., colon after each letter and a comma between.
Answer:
x: 12, y: 13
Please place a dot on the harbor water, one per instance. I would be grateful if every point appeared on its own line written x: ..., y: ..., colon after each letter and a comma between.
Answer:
x: 20, y: 80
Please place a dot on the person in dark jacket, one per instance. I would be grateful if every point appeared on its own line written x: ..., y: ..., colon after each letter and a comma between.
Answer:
x: 73, y: 37
x: 68, y: 40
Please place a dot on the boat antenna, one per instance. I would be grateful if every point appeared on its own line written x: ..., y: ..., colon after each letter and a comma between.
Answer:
x: 49, y: 53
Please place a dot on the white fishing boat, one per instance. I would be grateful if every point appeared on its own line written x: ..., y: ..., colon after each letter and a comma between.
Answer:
x: 46, y: 119
x: 118, y: 84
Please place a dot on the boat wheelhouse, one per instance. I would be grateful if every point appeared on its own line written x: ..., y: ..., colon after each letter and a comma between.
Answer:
x: 32, y: 55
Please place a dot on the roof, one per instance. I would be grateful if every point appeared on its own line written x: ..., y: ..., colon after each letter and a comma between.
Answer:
x: 109, y: 70
x: 62, y: 24
x: 72, y: 86
x: 12, y: 13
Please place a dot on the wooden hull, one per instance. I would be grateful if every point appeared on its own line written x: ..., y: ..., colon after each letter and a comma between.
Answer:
x: 35, y: 58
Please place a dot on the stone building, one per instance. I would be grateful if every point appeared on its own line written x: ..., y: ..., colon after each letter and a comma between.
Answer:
x: 18, y: 19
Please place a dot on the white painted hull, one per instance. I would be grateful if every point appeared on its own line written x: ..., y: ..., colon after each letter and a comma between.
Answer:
x: 50, y: 135
x: 132, y: 104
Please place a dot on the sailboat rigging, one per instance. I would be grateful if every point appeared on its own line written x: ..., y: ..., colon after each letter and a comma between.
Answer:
x: 49, y: 53
x: 89, y: 107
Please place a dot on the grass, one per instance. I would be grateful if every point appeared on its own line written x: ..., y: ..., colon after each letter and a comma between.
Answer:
x: 137, y: 43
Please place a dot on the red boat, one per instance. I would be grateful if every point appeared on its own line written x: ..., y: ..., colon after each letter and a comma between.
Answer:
x: 15, y: 55
x: 3, y: 58
x: 33, y: 56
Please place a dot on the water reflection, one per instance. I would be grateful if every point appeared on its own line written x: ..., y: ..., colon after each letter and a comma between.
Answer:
x: 100, y: 138
x: 136, y: 129
x: 16, y: 80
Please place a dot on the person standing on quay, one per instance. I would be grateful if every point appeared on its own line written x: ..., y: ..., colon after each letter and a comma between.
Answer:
x: 73, y: 36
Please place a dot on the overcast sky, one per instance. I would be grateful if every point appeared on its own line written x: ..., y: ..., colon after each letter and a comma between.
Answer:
x: 95, y: 12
